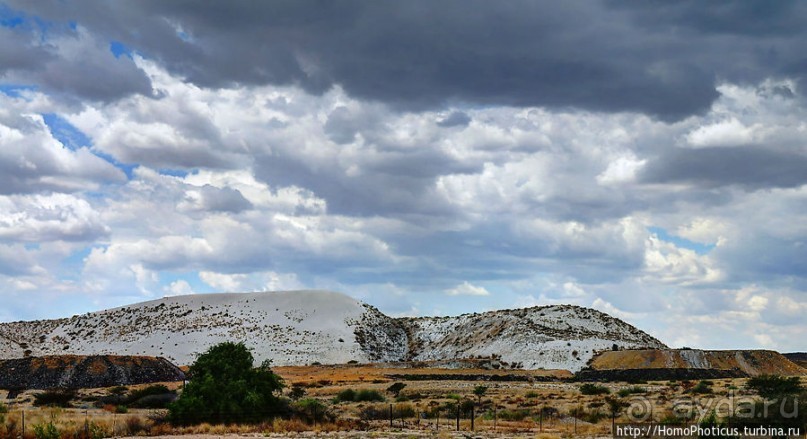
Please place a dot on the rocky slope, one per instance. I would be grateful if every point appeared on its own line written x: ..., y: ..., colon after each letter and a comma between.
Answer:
x: 75, y: 372
x: 740, y: 362
x: 550, y: 337
x: 799, y: 358
x: 301, y: 327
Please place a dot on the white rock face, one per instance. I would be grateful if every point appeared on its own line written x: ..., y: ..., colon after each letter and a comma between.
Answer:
x: 301, y: 327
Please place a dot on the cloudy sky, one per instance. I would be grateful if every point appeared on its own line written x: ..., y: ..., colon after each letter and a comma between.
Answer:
x: 648, y: 159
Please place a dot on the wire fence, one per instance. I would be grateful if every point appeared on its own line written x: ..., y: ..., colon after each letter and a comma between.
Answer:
x: 94, y: 423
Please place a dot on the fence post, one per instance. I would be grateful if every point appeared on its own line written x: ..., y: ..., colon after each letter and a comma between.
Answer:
x: 22, y: 434
x: 438, y: 419
x: 541, y: 420
x: 613, y: 423
x: 390, y: 416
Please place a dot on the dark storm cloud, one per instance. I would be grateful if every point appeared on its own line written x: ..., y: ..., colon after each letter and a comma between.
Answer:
x: 749, y: 167
x: 661, y: 59
x: 73, y: 64
x: 392, y: 183
x: 457, y: 118
x: 223, y: 199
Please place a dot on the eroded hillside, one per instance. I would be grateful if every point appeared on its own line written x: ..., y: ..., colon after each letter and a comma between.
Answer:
x: 748, y: 362
x: 302, y: 327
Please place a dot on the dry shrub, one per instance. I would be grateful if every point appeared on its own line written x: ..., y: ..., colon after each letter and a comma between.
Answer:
x: 288, y: 426
x: 162, y: 429
x: 219, y: 429
x: 135, y: 425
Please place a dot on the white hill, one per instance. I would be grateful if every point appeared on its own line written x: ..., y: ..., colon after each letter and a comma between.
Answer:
x: 301, y: 327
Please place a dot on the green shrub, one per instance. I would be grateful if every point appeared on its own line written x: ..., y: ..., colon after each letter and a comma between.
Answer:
x: 368, y: 395
x: 347, y: 395
x: 531, y: 394
x: 46, y: 431
x: 54, y: 398
x: 775, y: 386
x: 121, y: 409
x: 118, y: 390
x: 311, y: 410
x: 361, y: 395
x: 225, y: 388
x: 157, y: 389
x: 593, y: 389
x: 297, y: 392
x: 703, y: 387
x: 511, y: 415
x: 396, y: 388
x: 631, y: 391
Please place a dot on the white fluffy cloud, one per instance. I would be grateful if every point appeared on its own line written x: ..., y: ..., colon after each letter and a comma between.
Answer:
x: 32, y: 160
x: 467, y: 289
x: 252, y: 188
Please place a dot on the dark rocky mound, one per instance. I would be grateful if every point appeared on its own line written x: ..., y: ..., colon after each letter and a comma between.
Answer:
x: 666, y: 374
x: 78, y: 372
x: 799, y: 358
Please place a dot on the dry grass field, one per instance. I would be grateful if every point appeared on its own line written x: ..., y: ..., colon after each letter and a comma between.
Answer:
x: 514, y: 404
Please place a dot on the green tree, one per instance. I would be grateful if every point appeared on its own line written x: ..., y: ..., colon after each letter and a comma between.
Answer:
x: 225, y: 388
x: 396, y: 388
x: 297, y: 392
x: 480, y: 391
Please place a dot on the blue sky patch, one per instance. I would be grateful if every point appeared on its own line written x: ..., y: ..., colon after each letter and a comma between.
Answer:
x: 73, y: 138
x: 70, y: 136
x: 191, y: 277
x: 181, y: 173
x: 9, y: 17
x: 680, y: 242
x: 117, y: 48
x: 14, y: 90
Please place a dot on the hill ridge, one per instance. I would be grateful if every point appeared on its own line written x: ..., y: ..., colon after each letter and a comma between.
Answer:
x: 305, y: 326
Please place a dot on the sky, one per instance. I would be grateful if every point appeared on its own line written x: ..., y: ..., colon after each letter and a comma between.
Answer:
x: 646, y: 159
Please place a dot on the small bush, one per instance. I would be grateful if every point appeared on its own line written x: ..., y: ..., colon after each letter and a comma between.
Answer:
x: 347, y: 395
x: 531, y: 394
x: 118, y: 390
x: 135, y: 425
x: 594, y: 389
x: 155, y: 401
x: 396, y: 388
x: 296, y: 392
x: 157, y: 389
x: 509, y: 415
x: 361, y: 395
x: 121, y: 409
x: 633, y: 390
x: 703, y: 387
x: 381, y: 412
x: 55, y: 398
x: 775, y: 386
x: 46, y: 431
x: 311, y: 410
x: 368, y: 395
